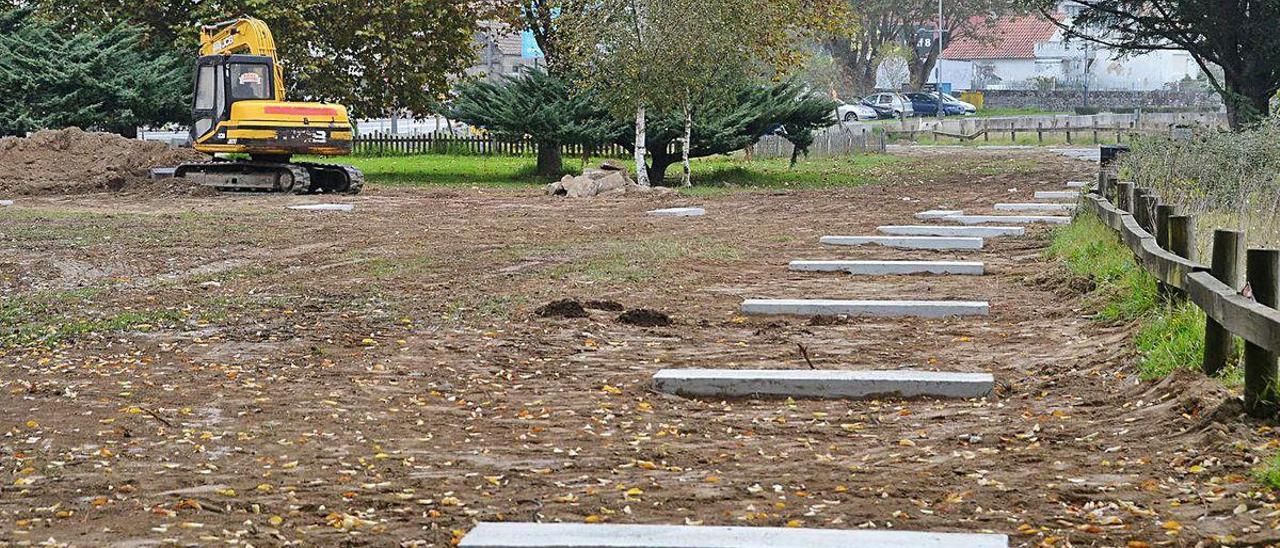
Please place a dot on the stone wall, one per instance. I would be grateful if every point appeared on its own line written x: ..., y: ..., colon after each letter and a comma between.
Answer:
x: 1115, y: 101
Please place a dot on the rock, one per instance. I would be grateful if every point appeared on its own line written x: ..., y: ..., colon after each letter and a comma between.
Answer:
x: 210, y: 284
x: 612, y: 165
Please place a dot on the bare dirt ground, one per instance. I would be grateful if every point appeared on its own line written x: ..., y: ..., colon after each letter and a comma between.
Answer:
x: 210, y: 370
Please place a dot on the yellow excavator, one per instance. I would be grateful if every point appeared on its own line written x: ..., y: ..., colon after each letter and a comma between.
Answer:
x: 239, y: 107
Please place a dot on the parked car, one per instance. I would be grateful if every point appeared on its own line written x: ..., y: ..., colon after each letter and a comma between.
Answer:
x: 889, y: 104
x: 855, y: 112
x: 967, y: 106
x: 926, y: 104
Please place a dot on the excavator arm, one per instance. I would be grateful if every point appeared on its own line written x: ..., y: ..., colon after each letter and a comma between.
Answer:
x: 243, y: 36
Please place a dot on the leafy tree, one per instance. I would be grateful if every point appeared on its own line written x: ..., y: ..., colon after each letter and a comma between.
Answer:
x: 375, y: 56
x: 541, y: 106
x: 878, y: 25
x: 653, y: 57
x: 99, y: 79
x: 1239, y: 37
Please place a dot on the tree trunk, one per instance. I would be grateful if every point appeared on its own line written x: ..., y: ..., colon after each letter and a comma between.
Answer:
x: 549, y: 164
x: 921, y: 69
x: 661, y: 161
x: 684, y: 145
x: 642, y: 174
x: 1246, y: 104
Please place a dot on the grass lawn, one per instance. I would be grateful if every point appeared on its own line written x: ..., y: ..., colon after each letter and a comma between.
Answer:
x: 710, y: 175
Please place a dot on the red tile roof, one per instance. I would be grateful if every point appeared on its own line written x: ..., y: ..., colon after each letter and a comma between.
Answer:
x: 1006, y: 38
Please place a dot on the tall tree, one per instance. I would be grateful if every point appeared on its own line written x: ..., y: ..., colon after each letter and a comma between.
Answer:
x: 1237, y: 36
x: 662, y: 56
x: 880, y: 25
x: 375, y: 56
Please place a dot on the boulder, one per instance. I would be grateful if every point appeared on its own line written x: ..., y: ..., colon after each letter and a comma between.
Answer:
x: 610, y: 178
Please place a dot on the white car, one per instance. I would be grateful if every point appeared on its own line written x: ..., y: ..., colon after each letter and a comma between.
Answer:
x: 855, y: 112
x: 968, y: 107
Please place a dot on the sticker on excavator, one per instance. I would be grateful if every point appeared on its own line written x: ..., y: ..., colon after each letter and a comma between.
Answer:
x: 300, y: 135
x: 250, y: 78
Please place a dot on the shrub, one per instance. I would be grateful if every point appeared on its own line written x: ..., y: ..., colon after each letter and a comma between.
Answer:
x: 1226, y: 179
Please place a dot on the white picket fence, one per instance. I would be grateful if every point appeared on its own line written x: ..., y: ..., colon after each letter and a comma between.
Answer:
x: 830, y: 142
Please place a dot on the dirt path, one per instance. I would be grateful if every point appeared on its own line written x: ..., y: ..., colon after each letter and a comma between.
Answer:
x: 379, y: 377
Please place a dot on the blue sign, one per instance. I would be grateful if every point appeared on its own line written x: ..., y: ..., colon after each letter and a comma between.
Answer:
x: 529, y: 46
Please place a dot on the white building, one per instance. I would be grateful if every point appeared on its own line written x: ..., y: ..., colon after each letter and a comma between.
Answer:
x: 1031, y: 52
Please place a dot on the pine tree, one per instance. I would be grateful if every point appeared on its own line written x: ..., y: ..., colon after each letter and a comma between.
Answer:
x: 540, y: 106
x: 93, y: 78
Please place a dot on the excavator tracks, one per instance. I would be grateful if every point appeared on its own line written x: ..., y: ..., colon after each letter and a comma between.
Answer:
x: 298, y: 178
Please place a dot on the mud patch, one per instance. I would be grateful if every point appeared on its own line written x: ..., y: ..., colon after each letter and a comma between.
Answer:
x: 608, y: 306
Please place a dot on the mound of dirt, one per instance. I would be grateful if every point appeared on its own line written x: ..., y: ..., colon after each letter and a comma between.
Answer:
x: 72, y: 161
x: 645, y: 317
x: 563, y: 308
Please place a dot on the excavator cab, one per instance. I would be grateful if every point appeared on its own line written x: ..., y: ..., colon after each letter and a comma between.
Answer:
x: 222, y: 80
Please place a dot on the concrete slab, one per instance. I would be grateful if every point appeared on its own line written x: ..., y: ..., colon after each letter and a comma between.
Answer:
x: 323, y: 207
x: 881, y: 268
x: 1041, y: 206
x: 905, y: 242
x: 1008, y: 219
x: 943, y: 230
x: 1057, y: 194
x: 582, y: 535
x: 1078, y: 184
x: 883, y: 309
x: 679, y: 212
x: 158, y: 173
x: 808, y: 383
x: 6, y: 203
x: 938, y: 213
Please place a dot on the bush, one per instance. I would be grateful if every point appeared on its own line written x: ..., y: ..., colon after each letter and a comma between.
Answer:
x: 1225, y: 179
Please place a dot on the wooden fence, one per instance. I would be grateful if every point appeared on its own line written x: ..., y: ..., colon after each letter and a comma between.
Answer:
x: 1239, y: 298
x: 834, y: 141
x: 381, y: 144
x: 829, y: 142
x: 1073, y: 134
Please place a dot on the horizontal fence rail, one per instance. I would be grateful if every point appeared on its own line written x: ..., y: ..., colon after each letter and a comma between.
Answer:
x: 1073, y: 134
x: 1230, y: 310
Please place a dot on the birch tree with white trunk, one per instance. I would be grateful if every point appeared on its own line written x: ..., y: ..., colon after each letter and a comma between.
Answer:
x: 657, y: 58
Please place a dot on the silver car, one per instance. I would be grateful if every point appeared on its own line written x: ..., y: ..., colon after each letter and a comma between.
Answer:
x: 890, y: 105
x: 855, y: 112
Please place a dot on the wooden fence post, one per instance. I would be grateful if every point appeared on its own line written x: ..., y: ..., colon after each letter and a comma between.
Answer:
x: 1163, y: 212
x: 1182, y: 236
x: 1261, y: 271
x: 1219, y: 345
x: 1124, y: 196
x: 1140, y: 211
x: 1040, y: 132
